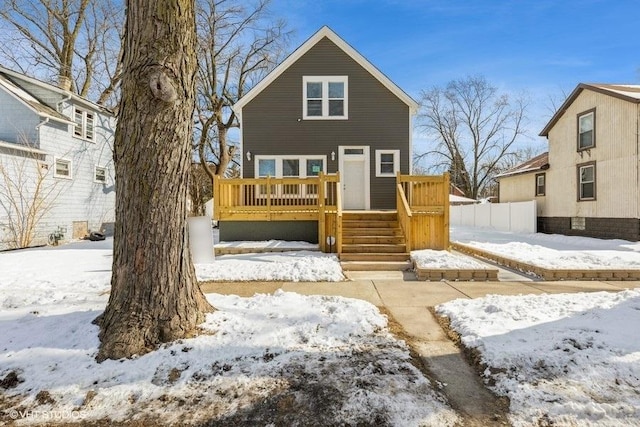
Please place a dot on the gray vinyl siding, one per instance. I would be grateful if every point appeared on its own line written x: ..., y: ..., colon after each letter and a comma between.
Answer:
x: 272, y: 123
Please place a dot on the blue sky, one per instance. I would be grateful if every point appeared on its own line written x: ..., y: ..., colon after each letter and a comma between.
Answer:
x: 545, y: 47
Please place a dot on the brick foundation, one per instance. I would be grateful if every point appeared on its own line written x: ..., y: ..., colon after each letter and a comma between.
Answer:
x: 602, y: 228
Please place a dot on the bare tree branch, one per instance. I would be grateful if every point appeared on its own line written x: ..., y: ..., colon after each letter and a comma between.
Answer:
x: 473, y: 128
x: 238, y: 44
x: 72, y: 41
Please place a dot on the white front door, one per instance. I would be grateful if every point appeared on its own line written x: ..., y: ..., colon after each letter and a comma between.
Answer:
x: 354, y: 177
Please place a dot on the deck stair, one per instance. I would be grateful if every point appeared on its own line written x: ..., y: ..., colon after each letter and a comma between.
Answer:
x: 373, y: 240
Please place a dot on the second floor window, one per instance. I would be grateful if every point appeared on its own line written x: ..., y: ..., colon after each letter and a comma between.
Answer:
x: 586, y: 130
x: 84, y: 124
x: 325, y: 97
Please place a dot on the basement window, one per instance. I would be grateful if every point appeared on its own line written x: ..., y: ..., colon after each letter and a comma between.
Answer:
x: 578, y: 223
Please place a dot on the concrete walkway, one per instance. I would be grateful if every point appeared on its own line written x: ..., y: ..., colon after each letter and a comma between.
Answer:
x: 409, y: 302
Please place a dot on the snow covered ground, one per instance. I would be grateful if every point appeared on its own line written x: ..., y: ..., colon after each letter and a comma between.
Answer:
x: 284, y: 357
x: 568, y: 359
x: 294, y: 266
x: 552, y: 251
x: 428, y: 258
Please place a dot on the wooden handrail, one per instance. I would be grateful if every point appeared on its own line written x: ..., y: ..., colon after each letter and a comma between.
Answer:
x: 404, y: 215
x: 403, y: 200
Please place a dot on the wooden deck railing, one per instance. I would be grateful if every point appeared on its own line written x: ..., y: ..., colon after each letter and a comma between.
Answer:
x: 282, y: 199
x: 423, y: 210
x: 422, y: 205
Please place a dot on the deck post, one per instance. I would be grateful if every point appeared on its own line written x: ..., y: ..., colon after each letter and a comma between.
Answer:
x: 268, y: 198
x: 321, y: 214
x: 447, y: 207
x: 338, y: 221
x: 216, y: 197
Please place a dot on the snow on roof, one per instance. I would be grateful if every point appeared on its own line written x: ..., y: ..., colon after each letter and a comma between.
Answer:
x: 459, y: 199
x: 539, y: 162
x: 631, y: 91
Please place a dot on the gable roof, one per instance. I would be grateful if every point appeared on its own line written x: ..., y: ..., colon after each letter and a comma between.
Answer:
x: 537, y: 163
x: 31, y: 102
x: 19, y: 80
x: 630, y: 93
x: 304, y: 48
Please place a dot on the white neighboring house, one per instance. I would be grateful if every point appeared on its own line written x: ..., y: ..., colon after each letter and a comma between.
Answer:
x: 56, y: 162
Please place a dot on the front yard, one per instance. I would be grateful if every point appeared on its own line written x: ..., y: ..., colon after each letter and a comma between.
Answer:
x: 568, y: 359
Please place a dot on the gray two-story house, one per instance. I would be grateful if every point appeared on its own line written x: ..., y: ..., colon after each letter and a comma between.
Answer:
x: 56, y: 163
x: 326, y: 158
x: 327, y: 109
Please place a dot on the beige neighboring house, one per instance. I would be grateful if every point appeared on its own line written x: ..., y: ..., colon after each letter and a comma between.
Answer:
x: 524, y: 182
x: 592, y: 184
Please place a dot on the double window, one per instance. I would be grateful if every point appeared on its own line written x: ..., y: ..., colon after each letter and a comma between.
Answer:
x: 587, y: 181
x: 62, y: 168
x: 325, y: 97
x: 289, y: 166
x: 83, y: 127
x: 587, y: 130
x: 100, y: 174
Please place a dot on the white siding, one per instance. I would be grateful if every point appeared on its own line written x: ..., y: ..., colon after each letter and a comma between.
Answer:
x: 521, y: 188
x: 615, y: 154
x: 79, y: 198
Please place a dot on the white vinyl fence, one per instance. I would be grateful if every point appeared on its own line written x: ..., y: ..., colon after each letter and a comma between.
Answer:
x: 519, y: 217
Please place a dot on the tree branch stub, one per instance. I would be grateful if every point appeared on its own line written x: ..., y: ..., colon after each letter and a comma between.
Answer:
x: 162, y: 87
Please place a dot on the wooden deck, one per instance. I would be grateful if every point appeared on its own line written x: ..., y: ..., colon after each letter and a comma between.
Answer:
x: 422, y: 206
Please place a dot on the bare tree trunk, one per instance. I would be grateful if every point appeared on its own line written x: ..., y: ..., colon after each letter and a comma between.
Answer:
x: 155, y: 297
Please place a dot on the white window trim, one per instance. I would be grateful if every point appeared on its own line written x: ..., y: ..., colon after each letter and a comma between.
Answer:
x: 55, y: 173
x: 95, y: 170
x: 325, y: 80
x: 396, y: 163
x: 84, y: 125
x: 278, y: 159
x: 303, y: 171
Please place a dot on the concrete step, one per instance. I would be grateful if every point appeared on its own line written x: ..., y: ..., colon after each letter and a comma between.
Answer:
x: 374, y: 248
x: 374, y: 257
x: 376, y: 265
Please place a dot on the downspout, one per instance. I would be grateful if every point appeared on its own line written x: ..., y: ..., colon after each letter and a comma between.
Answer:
x: 637, y: 161
x: 38, y: 126
x: 67, y: 98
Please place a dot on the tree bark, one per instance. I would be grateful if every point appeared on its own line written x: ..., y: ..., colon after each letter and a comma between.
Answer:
x: 155, y: 296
